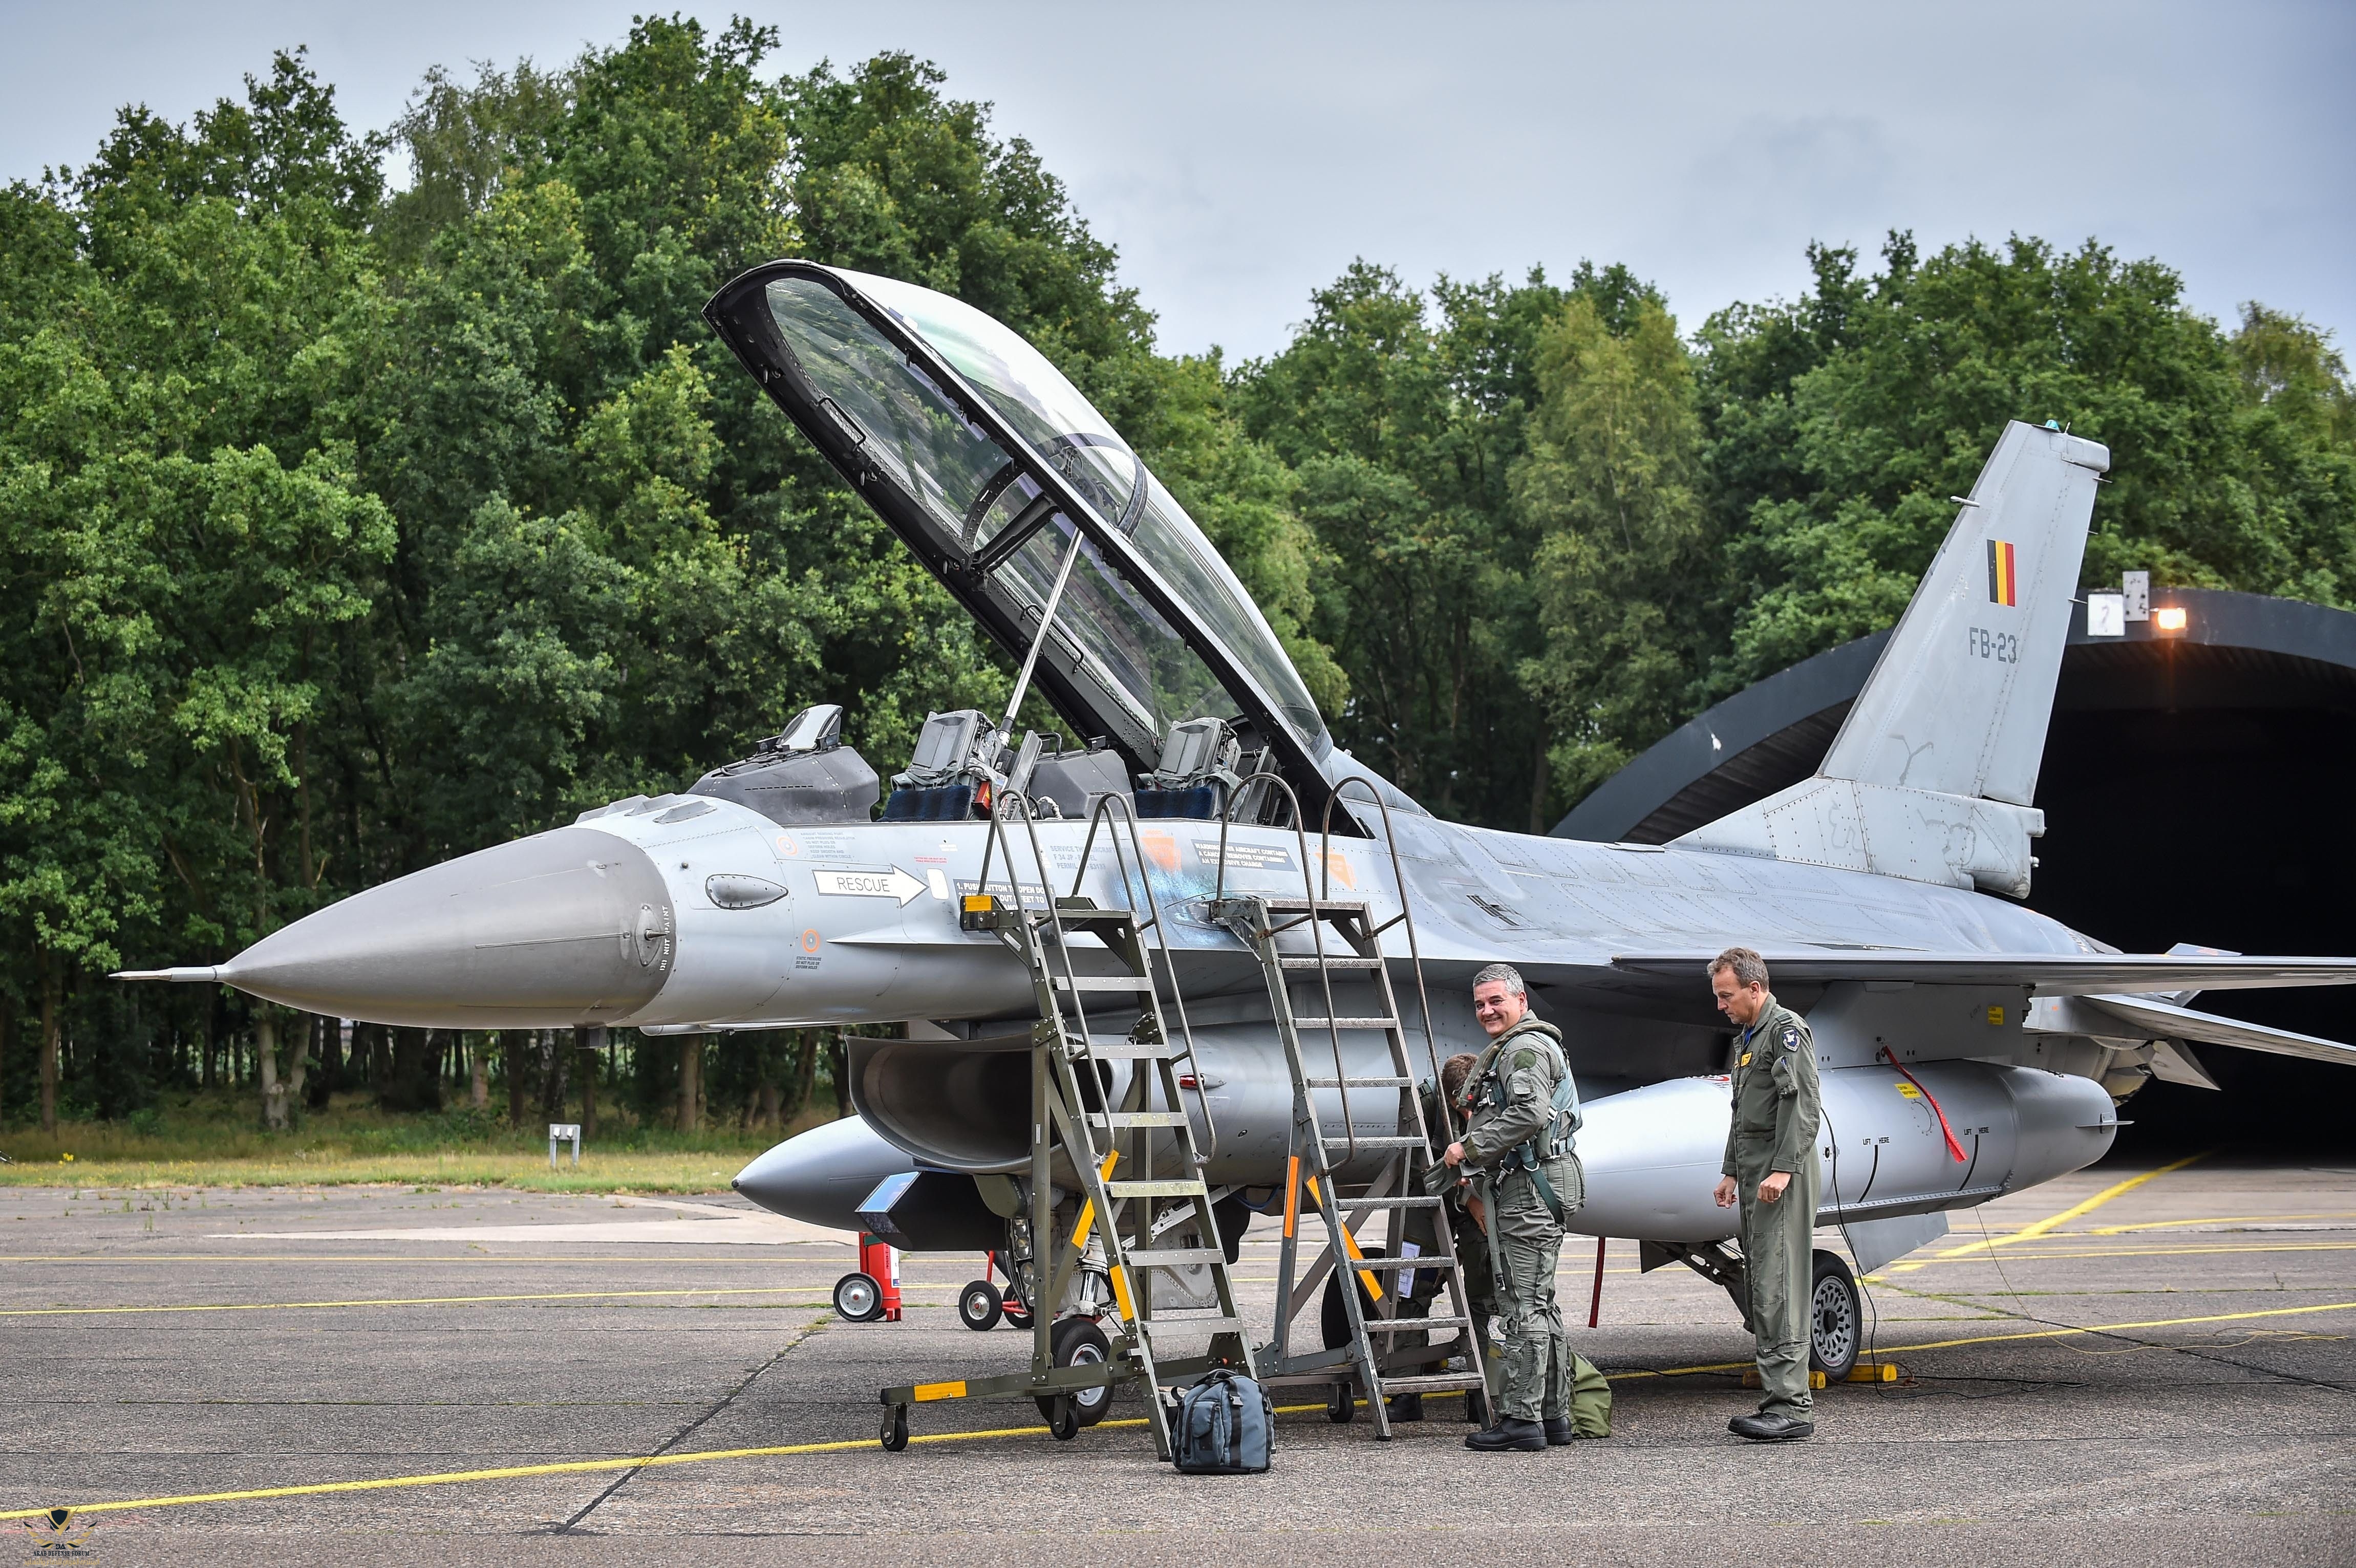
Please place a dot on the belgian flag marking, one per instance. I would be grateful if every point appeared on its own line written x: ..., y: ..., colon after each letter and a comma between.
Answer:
x: 2004, y: 578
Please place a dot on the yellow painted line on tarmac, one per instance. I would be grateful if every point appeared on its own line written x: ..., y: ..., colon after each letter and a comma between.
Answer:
x: 2220, y: 1220
x: 2031, y: 1231
x: 515, y: 1472
x: 563, y: 1259
x: 2153, y: 1251
x: 2115, y: 1328
x: 572, y: 1467
x: 705, y: 1456
x: 1882, y: 1351
x: 410, y: 1301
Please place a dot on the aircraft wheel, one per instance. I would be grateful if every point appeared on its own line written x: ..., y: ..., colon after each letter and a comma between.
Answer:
x: 1836, y: 1318
x: 1233, y: 1216
x: 1332, y: 1317
x: 858, y: 1299
x: 1078, y: 1342
x: 979, y: 1307
x: 895, y: 1434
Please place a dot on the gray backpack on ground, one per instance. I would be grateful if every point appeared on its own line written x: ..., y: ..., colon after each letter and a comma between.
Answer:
x: 1225, y: 1426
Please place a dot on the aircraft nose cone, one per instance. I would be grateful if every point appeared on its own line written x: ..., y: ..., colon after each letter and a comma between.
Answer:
x: 821, y: 1176
x: 572, y: 926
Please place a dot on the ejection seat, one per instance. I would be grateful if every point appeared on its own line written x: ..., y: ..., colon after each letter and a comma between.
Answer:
x: 803, y: 775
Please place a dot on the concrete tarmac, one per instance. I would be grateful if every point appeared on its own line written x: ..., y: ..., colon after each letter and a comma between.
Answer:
x: 217, y: 1342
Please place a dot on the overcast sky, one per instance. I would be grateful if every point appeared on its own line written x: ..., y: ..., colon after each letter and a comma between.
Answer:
x: 1239, y: 156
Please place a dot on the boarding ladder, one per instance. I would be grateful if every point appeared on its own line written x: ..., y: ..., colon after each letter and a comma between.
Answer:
x: 1346, y: 949
x: 1089, y: 958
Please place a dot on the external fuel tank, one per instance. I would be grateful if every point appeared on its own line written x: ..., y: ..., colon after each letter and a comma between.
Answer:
x: 1652, y: 1154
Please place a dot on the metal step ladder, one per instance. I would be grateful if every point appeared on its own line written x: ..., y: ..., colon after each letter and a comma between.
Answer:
x: 1381, y: 1367
x: 1125, y: 1205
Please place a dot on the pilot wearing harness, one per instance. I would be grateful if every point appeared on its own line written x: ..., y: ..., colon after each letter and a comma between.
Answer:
x: 1522, y: 1121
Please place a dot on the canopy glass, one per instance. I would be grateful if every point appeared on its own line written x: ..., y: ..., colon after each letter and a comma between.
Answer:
x: 973, y: 492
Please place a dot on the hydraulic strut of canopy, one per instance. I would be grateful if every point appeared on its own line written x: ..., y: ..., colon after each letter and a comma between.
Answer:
x: 1062, y: 578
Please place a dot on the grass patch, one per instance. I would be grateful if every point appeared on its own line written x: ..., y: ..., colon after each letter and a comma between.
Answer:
x: 213, y: 1140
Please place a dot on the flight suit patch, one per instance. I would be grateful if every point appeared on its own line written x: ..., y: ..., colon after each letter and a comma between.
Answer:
x: 1746, y: 1059
x: 1524, y: 1060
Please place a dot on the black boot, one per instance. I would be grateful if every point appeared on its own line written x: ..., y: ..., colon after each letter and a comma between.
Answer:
x: 1766, y: 1428
x: 1407, y: 1407
x: 1559, y: 1431
x: 1509, y: 1436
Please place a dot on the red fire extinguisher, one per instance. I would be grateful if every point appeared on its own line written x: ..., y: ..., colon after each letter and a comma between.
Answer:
x: 871, y: 1291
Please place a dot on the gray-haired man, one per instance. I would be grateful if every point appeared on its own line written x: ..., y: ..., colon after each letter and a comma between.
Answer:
x: 1519, y: 1144
x: 1771, y: 1171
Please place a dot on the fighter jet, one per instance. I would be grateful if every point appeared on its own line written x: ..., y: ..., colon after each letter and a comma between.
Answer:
x: 1968, y: 1047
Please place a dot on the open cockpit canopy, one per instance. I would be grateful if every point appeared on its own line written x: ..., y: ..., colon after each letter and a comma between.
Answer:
x: 992, y: 468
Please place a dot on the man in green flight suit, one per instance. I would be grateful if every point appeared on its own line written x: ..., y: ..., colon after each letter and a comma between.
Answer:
x: 1517, y: 1147
x: 1771, y: 1171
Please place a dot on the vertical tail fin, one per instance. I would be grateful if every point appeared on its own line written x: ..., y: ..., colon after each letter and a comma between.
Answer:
x: 1932, y: 771
x: 1959, y: 701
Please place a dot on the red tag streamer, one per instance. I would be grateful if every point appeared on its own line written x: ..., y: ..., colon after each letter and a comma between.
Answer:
x: 1945, y: 1131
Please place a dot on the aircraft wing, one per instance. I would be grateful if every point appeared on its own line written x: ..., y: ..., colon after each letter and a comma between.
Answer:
x: 2046, y: 974
x: 2159, y: 1020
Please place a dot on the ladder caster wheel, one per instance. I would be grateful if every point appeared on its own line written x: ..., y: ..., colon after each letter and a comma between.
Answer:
x: 895, y: 1436
x: 1062, y: 1419
x: 1342, y: 1403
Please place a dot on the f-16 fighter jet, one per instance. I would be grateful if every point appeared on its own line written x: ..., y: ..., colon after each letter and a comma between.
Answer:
x: 1294, y: 925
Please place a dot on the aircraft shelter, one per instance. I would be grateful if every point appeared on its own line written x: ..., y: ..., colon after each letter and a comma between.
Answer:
x: 2197, y: 785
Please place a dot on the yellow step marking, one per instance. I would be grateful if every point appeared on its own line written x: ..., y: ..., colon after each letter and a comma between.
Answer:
x: 1366, y: 1276
x: 2031, y: 1231
x: 1088, y: 1211
x: 925, y: 1392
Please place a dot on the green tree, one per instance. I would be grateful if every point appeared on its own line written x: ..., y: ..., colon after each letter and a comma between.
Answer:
x: 1625, y: 571
x: 1886, y: 394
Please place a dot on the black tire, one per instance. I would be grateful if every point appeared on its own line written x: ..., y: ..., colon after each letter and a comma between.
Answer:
x: 1342, y: 1403
x: 895, y: 1436
x: 1233, y: 1216
x: 1078, y: 1342
x: 1332, y: 1321
x: 1063, y: 1421
x: 1836, y: 1318
x: 1017, y: 1315
x: 858, y: 1299
x: 978, y: 1306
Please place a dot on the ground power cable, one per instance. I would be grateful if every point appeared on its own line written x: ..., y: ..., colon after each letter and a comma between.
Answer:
x: 2019, y: 1311
x: 570, y: 1525
x: 1872, y: 1328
